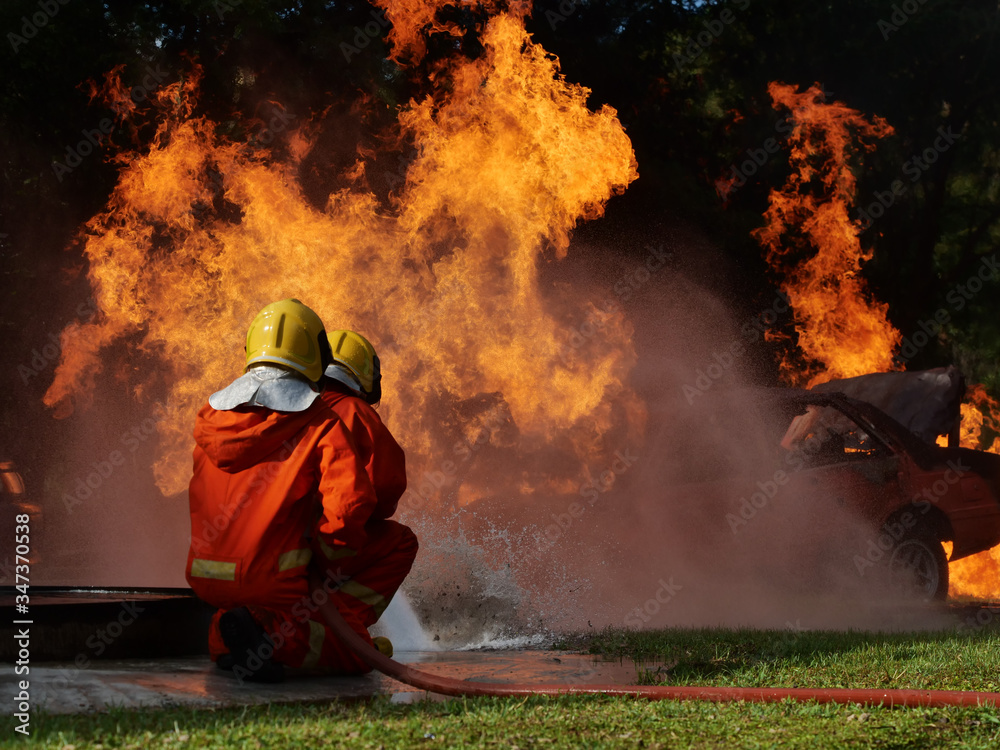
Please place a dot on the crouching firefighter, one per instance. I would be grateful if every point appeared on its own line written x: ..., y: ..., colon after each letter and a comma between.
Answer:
x: 284, y: 512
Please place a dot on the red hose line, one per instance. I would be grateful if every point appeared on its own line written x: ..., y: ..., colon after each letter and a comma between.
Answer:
x: 449, y: 686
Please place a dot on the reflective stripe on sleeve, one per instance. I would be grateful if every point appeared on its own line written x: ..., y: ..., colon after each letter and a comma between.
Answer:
x: 317, y: 634
x: 335, y: 553
x: 295, y: 558
x: 223, y: 571
x: 364, y: 594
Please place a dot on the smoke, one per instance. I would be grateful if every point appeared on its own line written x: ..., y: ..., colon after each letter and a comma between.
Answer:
x: 702, y: 519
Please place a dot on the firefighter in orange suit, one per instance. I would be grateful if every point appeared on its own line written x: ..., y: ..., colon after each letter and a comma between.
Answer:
x: 352, y: 388
x: 278, y: 475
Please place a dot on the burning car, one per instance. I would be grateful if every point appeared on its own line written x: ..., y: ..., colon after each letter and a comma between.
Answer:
x: 847, y: 454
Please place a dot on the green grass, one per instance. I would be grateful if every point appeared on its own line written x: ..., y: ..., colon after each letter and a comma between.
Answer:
x: 946, y: 660
x: 535, y: 722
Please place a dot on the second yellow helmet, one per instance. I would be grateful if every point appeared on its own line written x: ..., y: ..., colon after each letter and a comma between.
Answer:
x: 355, y: 352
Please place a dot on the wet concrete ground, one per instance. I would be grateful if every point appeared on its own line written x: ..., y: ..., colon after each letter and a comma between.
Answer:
x: 62, y: 688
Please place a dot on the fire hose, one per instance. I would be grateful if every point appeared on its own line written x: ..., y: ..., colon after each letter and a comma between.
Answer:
x: 448, y: 686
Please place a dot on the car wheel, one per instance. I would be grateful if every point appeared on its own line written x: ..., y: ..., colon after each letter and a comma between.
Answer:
x: 919, y: 567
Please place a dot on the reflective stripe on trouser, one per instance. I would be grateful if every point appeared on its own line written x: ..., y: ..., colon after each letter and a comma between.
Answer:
x: 218, y: 569
x: 367, y: 581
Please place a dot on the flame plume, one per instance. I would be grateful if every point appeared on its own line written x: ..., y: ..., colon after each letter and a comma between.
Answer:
x: 201, y: 232
x: 809, y: 235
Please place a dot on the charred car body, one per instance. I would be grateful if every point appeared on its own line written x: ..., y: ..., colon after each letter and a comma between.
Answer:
x: 847, y: 455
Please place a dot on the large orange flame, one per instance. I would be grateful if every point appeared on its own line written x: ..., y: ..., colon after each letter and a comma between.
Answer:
x: 841, y: 331
x: 201, y: 232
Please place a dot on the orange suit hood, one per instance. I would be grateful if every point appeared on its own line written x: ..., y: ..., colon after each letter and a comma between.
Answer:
x: 240, y: 438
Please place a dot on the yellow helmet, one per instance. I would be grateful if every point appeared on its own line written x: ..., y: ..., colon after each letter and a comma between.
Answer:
x: 288, y: 333
x: 355, y: 352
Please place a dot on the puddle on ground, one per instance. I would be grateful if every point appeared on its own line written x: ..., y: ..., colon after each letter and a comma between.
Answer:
x: 64, y: 688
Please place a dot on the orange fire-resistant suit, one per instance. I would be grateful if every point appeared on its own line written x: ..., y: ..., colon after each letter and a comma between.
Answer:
x: 289, y: 509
